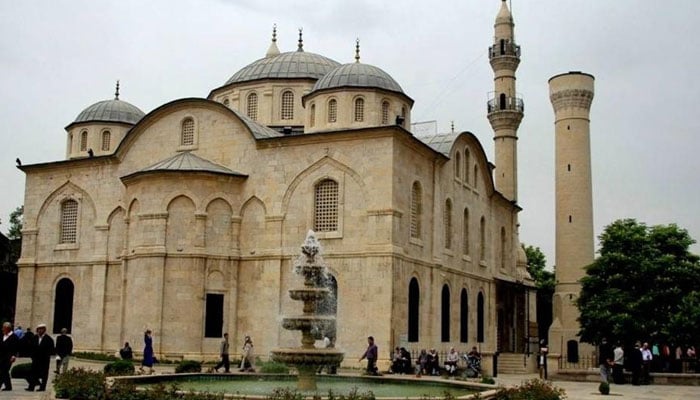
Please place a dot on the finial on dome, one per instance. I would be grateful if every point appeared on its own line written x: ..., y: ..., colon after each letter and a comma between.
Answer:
x: 357, y: 50
x: 453, y: 123
x: 301, y: 40
x: 116, y: 92
x: 273, y: 50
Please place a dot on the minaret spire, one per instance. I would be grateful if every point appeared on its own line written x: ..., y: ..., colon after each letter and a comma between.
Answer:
x: 273, y: 50
x: 116, y: 92
x: 301, y: 40
x: 357, y: 50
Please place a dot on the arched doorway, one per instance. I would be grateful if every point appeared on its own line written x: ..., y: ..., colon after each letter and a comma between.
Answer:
x: 63, y: 306
x: 480, y: 318
x: 445, y: 314
x: 413, y: 310
x: 463, y: 317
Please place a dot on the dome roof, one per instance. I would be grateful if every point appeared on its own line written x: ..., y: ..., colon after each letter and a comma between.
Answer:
x: 111, y: 111
x: 358, y: 75
x: 289, y: 65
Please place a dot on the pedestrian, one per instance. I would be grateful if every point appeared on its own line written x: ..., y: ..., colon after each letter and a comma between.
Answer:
x: 619, y: 358
x: 26, y: 344
x: 634, y: 363
x: 223, y: 352
x: 9, y: 349
x: 147, y: 353
x: 19, y: 332
x: 126, y: 353
x: 247, y: 364
x: 42, y: 350
x: 605, y: 360
x: 646, y: 363
x: 64, y: 349
x: 371, y: 356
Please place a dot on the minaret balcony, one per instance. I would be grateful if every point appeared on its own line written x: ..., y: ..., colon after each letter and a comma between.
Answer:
x: 504, y: 49
x: 505, y: 103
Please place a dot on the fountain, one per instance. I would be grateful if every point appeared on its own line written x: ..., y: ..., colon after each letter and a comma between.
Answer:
x: 308, y: 358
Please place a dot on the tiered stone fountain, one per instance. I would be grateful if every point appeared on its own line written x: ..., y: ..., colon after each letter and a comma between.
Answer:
x: 308, y: 358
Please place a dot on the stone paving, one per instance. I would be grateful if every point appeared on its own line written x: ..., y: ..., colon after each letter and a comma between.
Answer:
x: 574, y: 390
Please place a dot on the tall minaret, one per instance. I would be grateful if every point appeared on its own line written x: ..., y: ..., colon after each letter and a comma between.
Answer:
x: 571, y: 95
x: 505, y: 109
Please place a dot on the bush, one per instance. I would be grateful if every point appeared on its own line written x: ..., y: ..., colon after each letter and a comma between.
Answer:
x: 487, y: 380
x: 79, y: 383
x: 604, y: 388
x: 21, y: 371
x: 273, y: 367
x: 119, y: 368
x: 127, y: 391
x: 86, y: 355
x: 188, y: 366
x: 534, y: 389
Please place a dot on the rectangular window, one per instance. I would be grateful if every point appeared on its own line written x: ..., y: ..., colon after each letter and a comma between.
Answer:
x: 326, y: 206
x: 214, y: 316
x: 69, y: 222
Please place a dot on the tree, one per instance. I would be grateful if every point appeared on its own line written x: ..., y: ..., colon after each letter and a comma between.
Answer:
x: 544, y: 280
x: 644, y: 285
x: 16, y: 220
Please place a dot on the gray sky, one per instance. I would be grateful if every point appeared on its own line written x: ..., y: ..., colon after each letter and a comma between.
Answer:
x: 58, y: 57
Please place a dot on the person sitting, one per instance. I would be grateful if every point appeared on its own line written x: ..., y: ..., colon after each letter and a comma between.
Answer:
x: 396, y: 364
x: 433, y: 365
x: 406, y: 367
x: 126, y: 353
x: 451, y: 361
x: 422, y: 363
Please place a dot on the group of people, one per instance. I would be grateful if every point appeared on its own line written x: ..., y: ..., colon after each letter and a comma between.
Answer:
x: 247, y: 362
x: 428, y: 362
x: 640, y: 360
x: 40, y: 347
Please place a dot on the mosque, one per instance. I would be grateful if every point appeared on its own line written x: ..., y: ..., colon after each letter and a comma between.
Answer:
x: 186, y: 220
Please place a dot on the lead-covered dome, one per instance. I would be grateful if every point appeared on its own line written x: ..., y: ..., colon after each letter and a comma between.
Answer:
x: 290, y: 65
x: 110, y: 111
x: 357, y: 75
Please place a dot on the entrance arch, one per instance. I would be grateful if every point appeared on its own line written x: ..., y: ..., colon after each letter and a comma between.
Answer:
x: 63, y: 306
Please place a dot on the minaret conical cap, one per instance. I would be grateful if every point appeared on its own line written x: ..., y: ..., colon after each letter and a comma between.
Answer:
x: 504, y: 16
x: 273, y: 50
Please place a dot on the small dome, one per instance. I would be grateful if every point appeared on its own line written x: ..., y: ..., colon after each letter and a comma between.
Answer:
x: 358, y: 75
x: 289, y: 65
x: 111, y: 111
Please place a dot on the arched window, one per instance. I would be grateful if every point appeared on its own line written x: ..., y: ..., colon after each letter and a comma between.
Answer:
x: 463, y: 317
x: 502, y: 101
x: 69, y: 222
x: 226, y: 102
x: 465, y: 230
x: 467, y: 163
x: 447, y: 223
x: 503, y: 46
x: 288, y: 105
x: 326, y: 206
x: 482, y: 239
x: 63, y: 306
x: 70, y: 143
x: 458, y: 165
x: 503, y: 247
x: 445, y: 314
x: 403, y: 116
x: 476, y: 176
x: 312, y: 117
x: 385, y: 112
x: 83, y: 141
x: 480, y: 318
x: 359, y: 110
x: 332, y: 110
x: 187, y: 134
x: 416, y: 210
x: 106, y: 138
x: 413, y: 310
x: 252, y: 106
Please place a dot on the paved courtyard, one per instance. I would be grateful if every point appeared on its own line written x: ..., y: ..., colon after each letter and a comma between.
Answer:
x: 574, y: 390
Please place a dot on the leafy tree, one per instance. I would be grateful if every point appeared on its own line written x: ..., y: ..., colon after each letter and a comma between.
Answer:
x: 645, y: 284
x: 16, y: 220
x: 536, y: 263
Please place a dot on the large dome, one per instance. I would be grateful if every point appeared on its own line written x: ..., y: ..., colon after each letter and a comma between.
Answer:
x: 358, y: 75
x: 293, y: 64
x: 111, y: 111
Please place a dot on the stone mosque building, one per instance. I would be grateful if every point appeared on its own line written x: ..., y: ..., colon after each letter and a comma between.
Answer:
x: 186, y: 219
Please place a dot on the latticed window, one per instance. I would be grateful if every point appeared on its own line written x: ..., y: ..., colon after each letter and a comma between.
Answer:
x: 69, y: 221
x: 458, y: 166
x: 416, y: 210
x: 252, y: 106
x: 385, y: 112
x: 332, y: 110
x: 447, y: 222
x: 83, y: 141
x: 106, y: 137
x: 287, y: 105
x: 312, y: 117
x: 326, y: 206
x: 187, y: 136
x: 359, y: 110
x: 465, y: 240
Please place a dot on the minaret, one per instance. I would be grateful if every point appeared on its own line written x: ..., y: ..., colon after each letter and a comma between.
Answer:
x: 571, y: 95
x: 505, y: 109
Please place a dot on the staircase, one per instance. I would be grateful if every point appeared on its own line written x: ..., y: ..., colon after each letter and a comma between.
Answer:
x: 516, y: 363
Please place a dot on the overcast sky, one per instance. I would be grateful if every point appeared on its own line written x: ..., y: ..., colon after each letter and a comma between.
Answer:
x: 58, y: 57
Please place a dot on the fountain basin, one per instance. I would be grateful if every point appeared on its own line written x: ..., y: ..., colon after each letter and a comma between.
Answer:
x: 311, y: 357
x: 310, y: 323
x: 309, y: 294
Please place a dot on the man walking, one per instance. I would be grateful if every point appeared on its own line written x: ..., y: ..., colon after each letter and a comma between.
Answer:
x: 371, y: 356
x: 64, y: 349
x: 43, y: 349
x: 223, y: 352
x: 618, y: 373
x: 605, y: 360
x: 8, y: 353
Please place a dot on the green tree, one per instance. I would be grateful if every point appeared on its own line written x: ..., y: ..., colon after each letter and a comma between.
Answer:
x: 16, y: 220
x: 643, y: 285
x: 536, y: 266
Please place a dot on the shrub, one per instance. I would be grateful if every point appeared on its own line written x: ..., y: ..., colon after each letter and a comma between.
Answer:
x: 273, y: 367
x: 79, y: 383
x: 118, y: 368
x: 21, y: 371
x: 188, y: 366
x: 533, y: 389
x: 487, y: 380
x: 604, y: 388
x: 86, y: 355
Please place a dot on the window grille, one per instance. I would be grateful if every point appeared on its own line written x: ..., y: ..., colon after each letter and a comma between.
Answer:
x: 252, y: 106
x: 465, y: 243
x: 359, y: 110
x: 69, y: 222
x: 106, y: 137
x: 482, y: 239
x: 447, y: 221
x: 332, y: 110
x: 385, y: 113
x: 326, y: 206
x: 288, y: 105
x: 83, y: 141
x: 416, y: 210
x: 187, y: 137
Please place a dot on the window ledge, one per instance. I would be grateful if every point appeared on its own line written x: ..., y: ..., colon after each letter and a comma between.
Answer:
x: 466, y: 258
x: 329, y: 235
x: 416, y: 241
x: 448, y: 252
x: 482, y: 263
x: 187, y: 147
x: 66, y: 246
